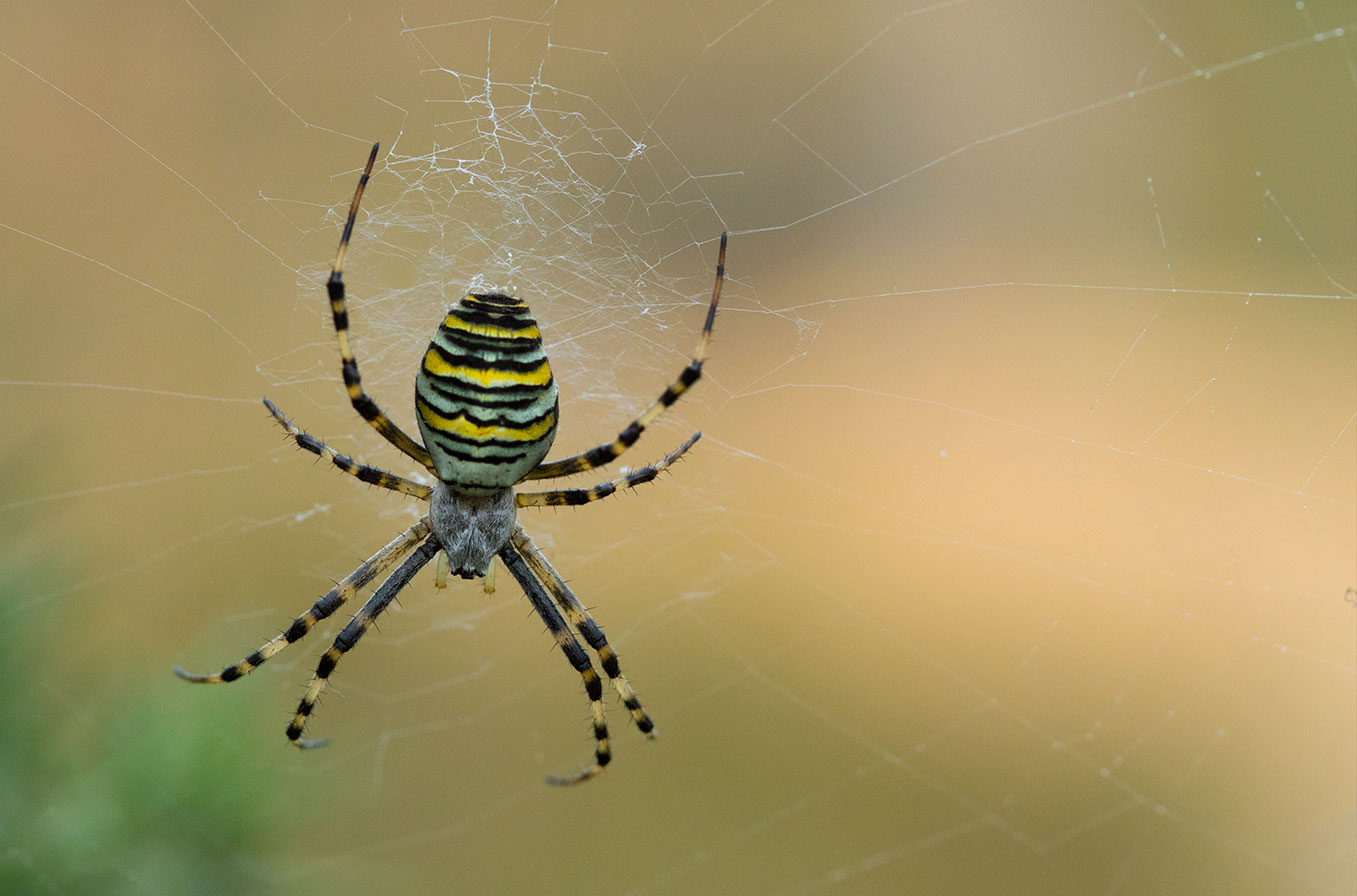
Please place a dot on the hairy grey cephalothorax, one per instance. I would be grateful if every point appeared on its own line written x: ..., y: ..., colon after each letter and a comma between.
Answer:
x: 471, y: 528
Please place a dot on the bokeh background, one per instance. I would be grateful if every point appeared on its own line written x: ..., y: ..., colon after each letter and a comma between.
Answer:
x: 1018, y: 552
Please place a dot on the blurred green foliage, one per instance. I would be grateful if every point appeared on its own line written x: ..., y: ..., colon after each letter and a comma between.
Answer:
x: 102, y: 790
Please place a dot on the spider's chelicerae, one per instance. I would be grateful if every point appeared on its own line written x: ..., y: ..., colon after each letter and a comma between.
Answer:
x: 486, y: 406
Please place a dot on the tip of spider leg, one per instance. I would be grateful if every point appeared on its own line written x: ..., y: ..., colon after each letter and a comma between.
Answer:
x: 556, y: 781
x: 189, y: 676
x: 276, y: 413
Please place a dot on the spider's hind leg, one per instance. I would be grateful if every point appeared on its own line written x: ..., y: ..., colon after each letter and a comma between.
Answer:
x: 361, y: 471
x: 567, y: 497
x: 353, y: 382
x: 609, y: 451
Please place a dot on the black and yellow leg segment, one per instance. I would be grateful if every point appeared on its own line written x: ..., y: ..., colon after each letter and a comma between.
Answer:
x: 357, y: 627
x: 608, y: 452
x: 593, y: 686
x: 353, y: 383
x: 574, y: 496
x: 361, y: 471
x: 374, y: 566
x: 584, y: 624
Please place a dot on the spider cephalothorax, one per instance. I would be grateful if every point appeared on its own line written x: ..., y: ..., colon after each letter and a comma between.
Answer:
x: 471, y: 529
x: 486, y: 406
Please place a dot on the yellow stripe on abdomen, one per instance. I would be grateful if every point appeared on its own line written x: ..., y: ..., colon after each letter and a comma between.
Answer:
x: 492, y: 331
x: 459, y: 426
x: 491, y: 377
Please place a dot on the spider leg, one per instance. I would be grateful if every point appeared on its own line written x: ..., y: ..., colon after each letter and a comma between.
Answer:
x: 571, y: 496
x: 610, y: 451
x: 370, y: 475
x: 353, y: 383
x: 584, y: 624
x: 374, y: 566
x: 541, y: 602
x: 360, y: 623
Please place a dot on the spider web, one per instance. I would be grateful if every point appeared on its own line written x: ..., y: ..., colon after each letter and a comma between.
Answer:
x: 1019, y: 551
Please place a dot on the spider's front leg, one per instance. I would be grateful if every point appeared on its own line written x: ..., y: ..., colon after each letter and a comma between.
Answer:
x: 593, y: 686
x: 357, y: 627
x: 351, y: 584
x: 586, y: 626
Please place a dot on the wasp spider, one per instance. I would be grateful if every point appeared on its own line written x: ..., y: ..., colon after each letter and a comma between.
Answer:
x: 486, y: 406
